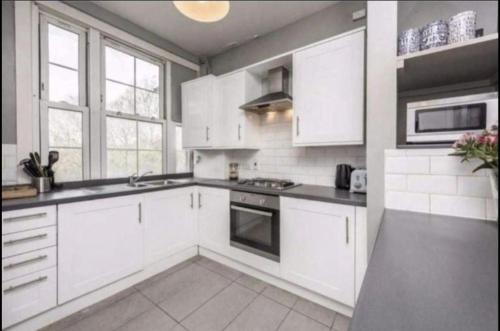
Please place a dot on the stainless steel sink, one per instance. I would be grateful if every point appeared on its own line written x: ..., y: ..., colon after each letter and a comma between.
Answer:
x: 163, y: 182
x: 137, y: 185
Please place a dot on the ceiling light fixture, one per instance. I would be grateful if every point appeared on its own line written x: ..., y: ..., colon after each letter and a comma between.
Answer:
x: 203, y: 11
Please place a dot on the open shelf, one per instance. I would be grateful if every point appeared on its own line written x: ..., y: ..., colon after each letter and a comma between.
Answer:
x: 472, y: 60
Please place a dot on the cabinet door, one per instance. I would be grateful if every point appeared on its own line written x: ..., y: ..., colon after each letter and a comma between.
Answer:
x: 100, y: 241
x: 197, y: 107
x: 323, y: 263
x: 329, y: 93
x: 170, y: 222
x: 213, y: 218
x: 231, y: 95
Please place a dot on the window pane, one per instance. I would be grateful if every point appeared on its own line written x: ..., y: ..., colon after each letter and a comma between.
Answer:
x: 147, y: 75
x: 121, y: 163
x: 63, y: 47
x: 119, y: 66
x: 119, y: 97
x: 63, y: 85
x: 150, y: 136
x: 150, y: 161
x: 121, y: 134
x: 69, y: 167
x: 65, y: 128
x: 147, y: 103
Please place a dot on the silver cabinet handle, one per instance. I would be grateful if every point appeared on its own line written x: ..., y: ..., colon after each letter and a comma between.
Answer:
x: 239, y: 131
x: 24, y: 218
x: 19, y: 264
x: 252, y: 211
x: 206, y: 133
x: 192, y: 200
x: 347, y: 230
x: 21, y: 240
x: 297, y: 127
x: 31, y: 282
x: 199, y: 200
x: 140, y: 212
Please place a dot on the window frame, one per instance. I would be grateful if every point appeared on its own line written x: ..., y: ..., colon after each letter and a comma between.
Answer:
x: 162, y: 119
x: 44, y: 87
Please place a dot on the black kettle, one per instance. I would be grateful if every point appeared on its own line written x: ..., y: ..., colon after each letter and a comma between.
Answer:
x: 343, y: 176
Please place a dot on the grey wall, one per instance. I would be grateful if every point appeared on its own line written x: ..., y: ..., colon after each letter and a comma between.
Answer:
x: 123, y: 24
x: 415, y: 14
x: 179, y: 74
x: 8, y: 74
x: 326, y: 23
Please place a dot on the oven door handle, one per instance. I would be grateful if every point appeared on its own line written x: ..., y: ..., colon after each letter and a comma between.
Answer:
x: 253, y: 211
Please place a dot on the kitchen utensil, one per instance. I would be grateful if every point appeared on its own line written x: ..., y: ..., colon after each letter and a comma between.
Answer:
x: 36, y: 165
x: 53, y: 158
x: 233, y: 171
x: 434, y: 34
x: 343, y: 176
x: 462, y: 26
x: 409, y: 41
x: 358, y: 181
x: 42, y: 184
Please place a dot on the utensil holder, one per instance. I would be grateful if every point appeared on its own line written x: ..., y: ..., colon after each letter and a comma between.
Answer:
x: 42, y: 184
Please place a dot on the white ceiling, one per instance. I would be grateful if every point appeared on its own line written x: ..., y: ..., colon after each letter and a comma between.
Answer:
x: 245, y: 20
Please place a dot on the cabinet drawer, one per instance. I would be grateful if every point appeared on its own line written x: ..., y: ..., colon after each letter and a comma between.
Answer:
x: 27, y: 263
x: 27, y: 296
x: 28, y: 219
x: 27, y: 241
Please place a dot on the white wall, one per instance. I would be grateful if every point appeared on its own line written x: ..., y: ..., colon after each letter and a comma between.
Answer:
x: 9, y: 158
x: 431, y: 181
x: 277, y: 158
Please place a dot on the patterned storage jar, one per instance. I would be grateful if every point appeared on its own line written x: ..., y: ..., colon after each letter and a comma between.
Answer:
x: 434, y: 34
x: 409, y: 41
x: 462, y: 26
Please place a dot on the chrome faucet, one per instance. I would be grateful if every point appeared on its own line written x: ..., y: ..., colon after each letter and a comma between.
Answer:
x: 132, y: 180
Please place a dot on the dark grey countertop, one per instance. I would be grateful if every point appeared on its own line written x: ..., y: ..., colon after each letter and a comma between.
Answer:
x: 430, y: 272
x: 311, y: 192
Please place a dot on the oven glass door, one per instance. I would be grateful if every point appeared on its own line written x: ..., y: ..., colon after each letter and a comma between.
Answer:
x: 255, y: 230
x: 451, y: 118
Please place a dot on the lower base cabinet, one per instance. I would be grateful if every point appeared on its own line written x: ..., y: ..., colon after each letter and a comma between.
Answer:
x: 213, y: 219
x: 323, y: 263
x: 100, y: 241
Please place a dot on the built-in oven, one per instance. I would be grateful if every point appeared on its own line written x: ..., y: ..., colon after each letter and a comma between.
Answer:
x: 255, y: 224
x: 445, y: 120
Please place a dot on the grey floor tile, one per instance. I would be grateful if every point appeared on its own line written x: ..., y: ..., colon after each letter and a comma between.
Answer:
x: 262, y: 314
x: 115, y: 315
x: 152, y: 320
x: 298, y: 322
x: 252, y: 283
x: 179, y: 327
x: 281, y: 296
x: 219, y: 268
x: 147, y: 282
x: 217, y: 313
x: 315, y: 311
x: 186, y: 290
x: 341, y: 323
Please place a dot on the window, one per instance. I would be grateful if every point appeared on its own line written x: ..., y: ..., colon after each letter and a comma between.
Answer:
x: 134, y: 120
x: 63, y: 105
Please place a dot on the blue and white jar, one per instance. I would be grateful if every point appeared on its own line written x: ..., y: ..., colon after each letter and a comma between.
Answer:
x: 434, y: 34
x: 462, y: 26
x: 409, y: 41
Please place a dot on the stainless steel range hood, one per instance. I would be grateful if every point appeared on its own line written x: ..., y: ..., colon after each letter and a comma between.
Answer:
x: 277, y: 99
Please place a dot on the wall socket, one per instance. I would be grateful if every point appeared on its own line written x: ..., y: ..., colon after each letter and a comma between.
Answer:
x: 357, y: 15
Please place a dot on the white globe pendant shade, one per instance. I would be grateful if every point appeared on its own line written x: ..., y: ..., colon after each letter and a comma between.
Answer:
x: 203, y: 11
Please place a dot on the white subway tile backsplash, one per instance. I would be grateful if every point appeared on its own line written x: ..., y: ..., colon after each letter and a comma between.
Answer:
x: 432, y: 184
x: 451, y: 165
x: 458, y: 206
x: 492, y: 209
x: 474, y: 186
x: 396, y: 182
x: 407, y: 165
x: 9, y: 164
x: 418, y: 202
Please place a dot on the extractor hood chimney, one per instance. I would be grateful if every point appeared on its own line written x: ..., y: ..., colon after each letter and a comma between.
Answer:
x: 277, y: 99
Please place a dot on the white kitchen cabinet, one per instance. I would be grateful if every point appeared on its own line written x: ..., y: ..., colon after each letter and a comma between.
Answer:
x: 198, y: 112
x: 238, y: 128
x: 99, y: 242
x: 318, y: 247
x: 170, y: 222
x: 213, y: 218
x: 328, y: 85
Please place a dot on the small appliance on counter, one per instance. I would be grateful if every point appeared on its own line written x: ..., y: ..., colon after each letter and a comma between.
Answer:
x: 233, y: 171
x: 42, y: 177
x: 343, y: 176
x: 359, y: 181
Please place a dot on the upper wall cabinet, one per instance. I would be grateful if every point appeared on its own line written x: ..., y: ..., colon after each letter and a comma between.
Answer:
x: 198, y: 110
x: 237, y: 128
x: 328, y: 100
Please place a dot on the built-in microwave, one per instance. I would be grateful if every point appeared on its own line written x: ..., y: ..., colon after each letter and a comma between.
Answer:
x: 445, y: 120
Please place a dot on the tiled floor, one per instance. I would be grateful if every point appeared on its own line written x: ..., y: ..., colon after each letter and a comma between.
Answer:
x: 203, y: 295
